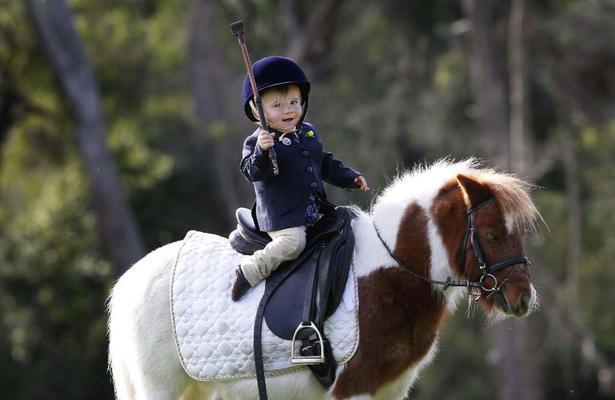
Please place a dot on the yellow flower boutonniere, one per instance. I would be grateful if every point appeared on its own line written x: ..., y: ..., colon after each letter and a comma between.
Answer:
x: 310, y: 134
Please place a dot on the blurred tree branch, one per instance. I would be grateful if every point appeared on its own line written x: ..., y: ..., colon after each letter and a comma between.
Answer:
x: 53, y: 23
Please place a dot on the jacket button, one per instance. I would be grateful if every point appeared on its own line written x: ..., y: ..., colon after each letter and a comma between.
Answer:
x: 305, y: 153
x: 309, y: 169
x: 313, y: 185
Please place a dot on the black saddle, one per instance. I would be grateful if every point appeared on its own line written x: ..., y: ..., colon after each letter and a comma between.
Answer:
x: 246, y: 239
x: 300, y: 294
x: 285, y: 308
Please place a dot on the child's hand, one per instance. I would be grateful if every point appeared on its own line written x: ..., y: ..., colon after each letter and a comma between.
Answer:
x: 361, y: 183
x: 265, y: 140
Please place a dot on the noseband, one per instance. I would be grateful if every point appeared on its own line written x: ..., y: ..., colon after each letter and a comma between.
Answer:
x: 487, y: 270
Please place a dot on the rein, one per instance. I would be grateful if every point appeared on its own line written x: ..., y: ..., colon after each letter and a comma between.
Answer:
x: 486, y: 270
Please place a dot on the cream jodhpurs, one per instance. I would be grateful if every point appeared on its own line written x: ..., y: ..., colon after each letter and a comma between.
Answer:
x: 286, y: 244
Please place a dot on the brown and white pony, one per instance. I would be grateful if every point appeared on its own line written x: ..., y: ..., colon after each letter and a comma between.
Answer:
x: 419, y: 231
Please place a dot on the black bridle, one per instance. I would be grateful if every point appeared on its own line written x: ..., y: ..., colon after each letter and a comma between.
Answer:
x: 487, y: 270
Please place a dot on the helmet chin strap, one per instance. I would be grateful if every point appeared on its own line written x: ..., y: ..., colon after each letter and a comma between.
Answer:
x: 270, y: 123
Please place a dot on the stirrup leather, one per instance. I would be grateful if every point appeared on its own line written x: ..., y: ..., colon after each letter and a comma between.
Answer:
x: 296, y: 357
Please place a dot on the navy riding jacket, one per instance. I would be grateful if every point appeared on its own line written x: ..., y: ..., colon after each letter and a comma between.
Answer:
x: 281, y: 200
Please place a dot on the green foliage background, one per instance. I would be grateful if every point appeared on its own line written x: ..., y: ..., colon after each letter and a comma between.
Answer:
x: 394, y: 91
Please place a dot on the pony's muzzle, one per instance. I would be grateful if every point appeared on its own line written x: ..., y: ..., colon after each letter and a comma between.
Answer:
x: 514, y: 298
x: 522, y: 306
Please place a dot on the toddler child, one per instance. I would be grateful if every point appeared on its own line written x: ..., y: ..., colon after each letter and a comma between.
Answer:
x: 286, y: 203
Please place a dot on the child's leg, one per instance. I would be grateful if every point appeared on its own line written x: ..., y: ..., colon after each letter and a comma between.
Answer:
x: 286, y: 244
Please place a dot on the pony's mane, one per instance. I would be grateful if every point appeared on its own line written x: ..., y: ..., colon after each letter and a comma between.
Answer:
x: 422, y: 183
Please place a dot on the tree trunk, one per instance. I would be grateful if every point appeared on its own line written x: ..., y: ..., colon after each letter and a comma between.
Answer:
x: 209, y: 76
x: 573, y: 202
x: 517, y: 368
x: 216, y: 102
x: 517, y: 73
x: 54, y: 26
x: 312, y: 43
x: 520, y: 157
x: 488, y: 81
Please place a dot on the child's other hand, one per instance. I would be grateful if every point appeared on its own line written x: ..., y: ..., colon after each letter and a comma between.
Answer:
x: 361, y: 183
x: 265, y: 140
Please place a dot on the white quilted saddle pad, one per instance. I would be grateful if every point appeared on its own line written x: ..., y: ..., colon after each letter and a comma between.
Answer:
x: 214, y: 335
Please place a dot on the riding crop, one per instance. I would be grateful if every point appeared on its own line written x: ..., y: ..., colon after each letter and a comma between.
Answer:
x: 237, y: 29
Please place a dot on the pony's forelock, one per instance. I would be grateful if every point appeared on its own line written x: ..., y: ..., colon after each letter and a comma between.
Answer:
x: 512, y: 195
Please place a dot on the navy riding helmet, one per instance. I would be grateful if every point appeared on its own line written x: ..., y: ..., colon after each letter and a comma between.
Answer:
x: 275, y: 71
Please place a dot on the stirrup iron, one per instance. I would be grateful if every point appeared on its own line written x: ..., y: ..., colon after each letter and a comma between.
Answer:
x: 296, y: 357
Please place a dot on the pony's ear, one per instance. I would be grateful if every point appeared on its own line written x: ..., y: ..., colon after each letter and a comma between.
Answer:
x: 474, y: 191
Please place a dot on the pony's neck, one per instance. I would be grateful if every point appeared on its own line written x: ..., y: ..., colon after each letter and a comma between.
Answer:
x: 399, y: 315
x: 413, y: 233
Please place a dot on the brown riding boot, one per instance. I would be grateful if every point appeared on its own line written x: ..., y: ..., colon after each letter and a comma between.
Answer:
x: 240, y: 285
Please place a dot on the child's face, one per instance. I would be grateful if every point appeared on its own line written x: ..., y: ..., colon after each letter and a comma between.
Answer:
x: 283, y: 107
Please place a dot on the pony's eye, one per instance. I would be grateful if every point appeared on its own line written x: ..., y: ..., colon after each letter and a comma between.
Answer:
x: 492, y: 236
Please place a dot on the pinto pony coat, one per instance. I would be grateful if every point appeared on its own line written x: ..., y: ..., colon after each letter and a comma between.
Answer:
x: 421, y: 216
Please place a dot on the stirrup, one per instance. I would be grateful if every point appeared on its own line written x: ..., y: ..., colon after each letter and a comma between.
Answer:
x: 307, y: 360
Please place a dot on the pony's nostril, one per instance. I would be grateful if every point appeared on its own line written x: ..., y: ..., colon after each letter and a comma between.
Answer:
x: 524, y: 303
